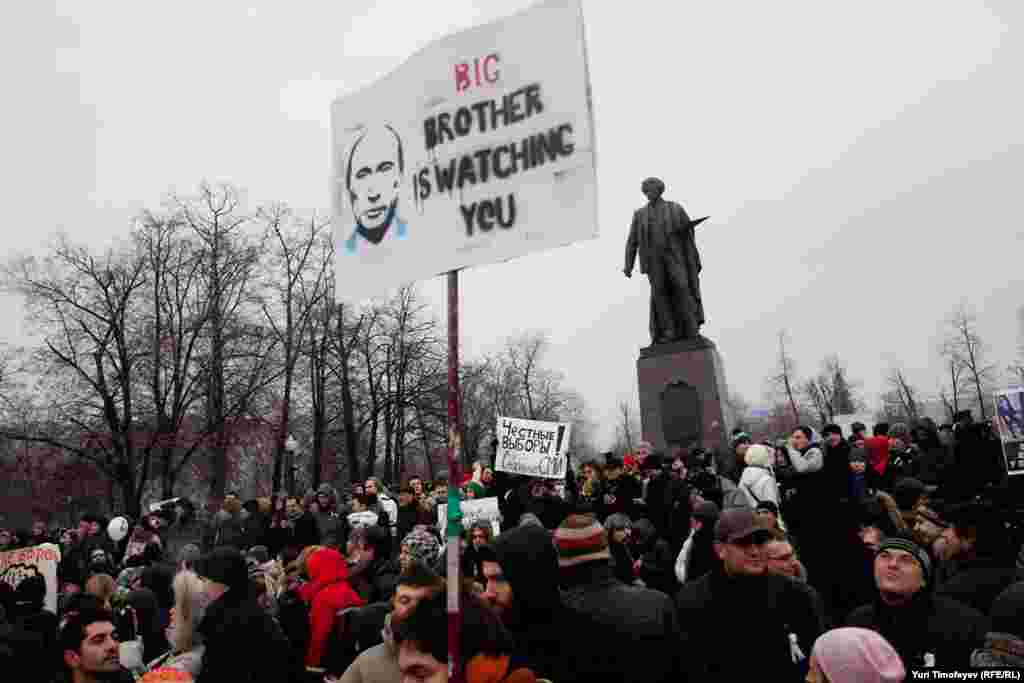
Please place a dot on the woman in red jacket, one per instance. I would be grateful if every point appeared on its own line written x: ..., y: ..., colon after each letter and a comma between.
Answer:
x: 327, y: 592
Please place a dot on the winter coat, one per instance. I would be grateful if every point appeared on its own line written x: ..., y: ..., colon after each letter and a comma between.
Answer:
x: 617, y: 632
x: 623, y: 491
x: 379, y: 664
x: 376, y: 581
x: 332, y: 529
x: 935, y: 625
x: 759, y: 484
x: 622, y: 562
x: 243, y: 643
x: 537, y: 621
x: 718, y: 611
x: 412, y: 515
x: 836, y: 471
x: 976, y: 583
x: 181, y: 534
x: 656, y: 567
x: 227, y: 529
x: 327, y: 593
x: 302, y: 533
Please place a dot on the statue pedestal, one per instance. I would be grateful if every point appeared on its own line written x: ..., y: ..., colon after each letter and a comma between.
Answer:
x: 682, y: 395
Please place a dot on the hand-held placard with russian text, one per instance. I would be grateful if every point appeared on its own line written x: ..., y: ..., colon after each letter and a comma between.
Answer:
x: 532, y: 447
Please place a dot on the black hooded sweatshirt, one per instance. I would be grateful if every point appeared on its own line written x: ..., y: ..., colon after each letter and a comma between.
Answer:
x: 529, y: 561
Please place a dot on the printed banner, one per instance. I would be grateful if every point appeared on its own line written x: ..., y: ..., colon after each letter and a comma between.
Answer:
x: 1010, y: 423
x: 478, y: 149
x: 533, y: 448
x: 473, y: 511
x: 39, y: 560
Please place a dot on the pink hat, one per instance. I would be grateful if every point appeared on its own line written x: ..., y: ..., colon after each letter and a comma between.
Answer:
x: 857, y: 655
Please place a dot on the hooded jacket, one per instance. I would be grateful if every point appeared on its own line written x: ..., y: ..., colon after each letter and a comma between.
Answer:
x: 934, y: 625
x: 529, y: 561
x: 327, y: 592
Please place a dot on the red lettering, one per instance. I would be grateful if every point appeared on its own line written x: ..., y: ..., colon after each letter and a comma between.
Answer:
x: 462, y: 81
x: 485, y: 69
x: 491, y: 72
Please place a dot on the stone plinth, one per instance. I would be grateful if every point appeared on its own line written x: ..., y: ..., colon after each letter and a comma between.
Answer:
x: 682, y: 395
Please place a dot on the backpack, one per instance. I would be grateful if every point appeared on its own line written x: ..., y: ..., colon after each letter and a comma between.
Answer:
x: 293, y: 616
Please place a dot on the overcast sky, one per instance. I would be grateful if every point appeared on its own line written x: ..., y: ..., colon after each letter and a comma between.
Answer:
x: 858, y: 160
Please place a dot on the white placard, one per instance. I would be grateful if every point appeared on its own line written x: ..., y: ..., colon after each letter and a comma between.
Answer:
x: 532, y: 448
x: 478, y: 149
x: 18, y: 565
x: 473, y: 511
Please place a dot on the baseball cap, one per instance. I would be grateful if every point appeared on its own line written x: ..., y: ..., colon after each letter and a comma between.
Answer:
x: 735, y: 524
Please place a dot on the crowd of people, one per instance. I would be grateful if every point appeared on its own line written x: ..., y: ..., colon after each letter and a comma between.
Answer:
x: 833, y: 557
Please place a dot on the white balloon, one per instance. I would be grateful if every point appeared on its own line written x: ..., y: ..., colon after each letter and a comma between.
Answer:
x: 117, y: 529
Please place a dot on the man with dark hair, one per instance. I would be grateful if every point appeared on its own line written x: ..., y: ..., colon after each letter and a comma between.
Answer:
x: 89, y: 648
x: 520, y: 569
x: 982, y: 559
x: 373, y: 573
x: 379, y: 663
x: 373, y: 179
x: 242, y: 641
x: 485, y: 646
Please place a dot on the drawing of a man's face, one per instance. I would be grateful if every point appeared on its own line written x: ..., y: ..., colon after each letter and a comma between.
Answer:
x: 374, y: 177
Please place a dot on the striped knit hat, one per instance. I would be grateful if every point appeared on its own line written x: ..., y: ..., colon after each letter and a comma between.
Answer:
x: 579, y: 539
x: 915, y: 551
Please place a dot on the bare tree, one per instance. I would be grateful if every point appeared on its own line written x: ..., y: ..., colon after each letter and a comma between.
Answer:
x: 830, y: 392
x: 84, y: 308
x: 229, y: 260
x: 965, y: 347
x: 1016, y: 368
x: 626, y: 429
x: 300, y: 264
x: 953, y: 388
x: 904, y: 394
x: 784, y: 380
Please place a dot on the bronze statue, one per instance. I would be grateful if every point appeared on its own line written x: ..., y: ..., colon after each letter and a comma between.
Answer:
x: 664, y: 236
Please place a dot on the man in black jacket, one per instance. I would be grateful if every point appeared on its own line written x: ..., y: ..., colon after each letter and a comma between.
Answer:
x: 616, y: 632
x: 243, y: 643
x: 983, y: 561
x: 923, y: 629
x: 739, y: 603
x: 521, y: 573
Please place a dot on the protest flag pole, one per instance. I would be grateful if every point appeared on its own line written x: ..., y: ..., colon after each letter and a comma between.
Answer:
x: 454, y: 527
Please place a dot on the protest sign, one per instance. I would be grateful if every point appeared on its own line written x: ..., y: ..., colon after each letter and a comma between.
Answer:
x: 473, y: 511
x: 1010, y: 423
x: 477, y: 149
x: 39, y: 560
x: 532, y: 448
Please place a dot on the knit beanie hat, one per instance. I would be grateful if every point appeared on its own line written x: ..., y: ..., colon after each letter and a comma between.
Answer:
x: 422, y: 546
x: 579, y: 539
x: 916, y: 551
x: 855, y: 655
